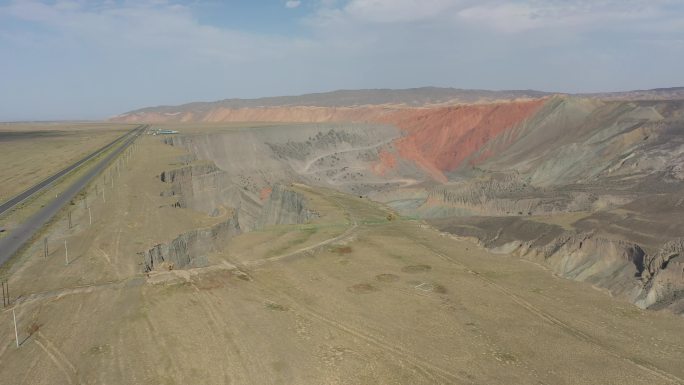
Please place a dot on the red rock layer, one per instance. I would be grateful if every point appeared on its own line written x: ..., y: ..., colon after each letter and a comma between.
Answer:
x: 265, y: 193
x: 440, y: 139
x: 386, y: 161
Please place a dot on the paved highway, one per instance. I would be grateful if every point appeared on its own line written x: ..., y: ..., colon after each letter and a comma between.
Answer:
x: 6, y: 206
x: 20, y: 235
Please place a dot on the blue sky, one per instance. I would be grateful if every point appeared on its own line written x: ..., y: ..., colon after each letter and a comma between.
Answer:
x: 94, y: 59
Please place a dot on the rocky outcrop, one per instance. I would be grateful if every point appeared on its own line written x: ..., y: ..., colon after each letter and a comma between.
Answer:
x: 608, y: 174
x: 285, y: 207
x: 499, y: 194
x: 622, y: 268
x: 190, y: 249
x: 201, y: 187
x: 185, y: 174
x: 664, y: 278
x: 611, y: 264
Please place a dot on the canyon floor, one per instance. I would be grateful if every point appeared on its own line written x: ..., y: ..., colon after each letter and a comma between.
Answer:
x: 306, y: 283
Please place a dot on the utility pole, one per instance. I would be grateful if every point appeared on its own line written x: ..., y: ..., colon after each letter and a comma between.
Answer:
x: 45, y: 247
x: 90, y: 216
x: 66, y: 252
x: 16, y: 331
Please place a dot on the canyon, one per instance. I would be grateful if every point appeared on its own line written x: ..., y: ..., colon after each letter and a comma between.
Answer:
x: 430, y: 236
x: 588, y: 186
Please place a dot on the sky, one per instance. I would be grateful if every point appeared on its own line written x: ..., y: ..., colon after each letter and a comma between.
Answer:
x: 73, y: 59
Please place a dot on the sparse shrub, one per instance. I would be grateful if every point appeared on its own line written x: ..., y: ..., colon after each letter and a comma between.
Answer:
x: 275, y: 306
x: 32, y: 328
x: 362, y: 288
x: 342, y: 249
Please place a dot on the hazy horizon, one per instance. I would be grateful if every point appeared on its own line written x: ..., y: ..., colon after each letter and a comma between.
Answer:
x: 85, y: 60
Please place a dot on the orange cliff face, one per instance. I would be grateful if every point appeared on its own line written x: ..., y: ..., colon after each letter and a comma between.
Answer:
x: 293, y: 114
x: 440, y: 139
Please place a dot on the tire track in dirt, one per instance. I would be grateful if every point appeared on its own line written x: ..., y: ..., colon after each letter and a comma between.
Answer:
x: 159, y: 341
x: 430, y: 371
x: 120, y: 366
x: 30, y: 371
x: 345, y: 235
x: 58, y: 358
x: 117, y: 242
x: 231, y: 348
x: 84, y: 289
x: 568, y: 329
x: 666, y: 351
x: 105, y: 255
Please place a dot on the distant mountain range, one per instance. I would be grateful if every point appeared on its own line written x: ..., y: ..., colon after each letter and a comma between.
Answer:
x: 412, y: 97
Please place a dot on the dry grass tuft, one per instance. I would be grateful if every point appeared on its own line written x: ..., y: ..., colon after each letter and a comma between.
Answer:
x: 342, y: 249
x: 32, y: 328
x: 276, y: 306
x: 362, y: 288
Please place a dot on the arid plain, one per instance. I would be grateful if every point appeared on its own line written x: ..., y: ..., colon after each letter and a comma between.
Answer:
x: 419, y: 245
x: 357, y: 293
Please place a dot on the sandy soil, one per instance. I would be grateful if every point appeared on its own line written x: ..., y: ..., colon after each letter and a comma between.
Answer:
x: 350, y: 298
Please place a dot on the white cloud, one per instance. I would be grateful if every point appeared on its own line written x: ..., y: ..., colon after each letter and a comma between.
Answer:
x: 152, y: 26
x: 499, y: 15
x: 398, y: 10
x: 99, y: 51
x: 293, y: 3
x: 536, y: 14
